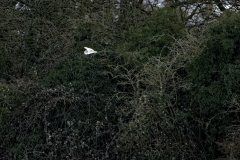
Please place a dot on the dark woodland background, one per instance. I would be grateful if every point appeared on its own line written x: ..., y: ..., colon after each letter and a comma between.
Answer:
x: 161, y: 87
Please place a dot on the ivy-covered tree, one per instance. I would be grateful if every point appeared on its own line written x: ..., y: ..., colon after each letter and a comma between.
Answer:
x: 156, y: 35
x: 214, y: 77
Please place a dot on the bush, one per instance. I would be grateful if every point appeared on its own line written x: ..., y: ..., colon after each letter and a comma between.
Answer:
x: 153, y: 120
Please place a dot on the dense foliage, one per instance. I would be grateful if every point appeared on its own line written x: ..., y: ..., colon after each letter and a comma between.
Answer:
x: 156, y: 90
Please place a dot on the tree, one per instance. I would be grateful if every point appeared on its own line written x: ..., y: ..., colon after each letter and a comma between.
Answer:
x: 195, y: 12
x: 214, y: 76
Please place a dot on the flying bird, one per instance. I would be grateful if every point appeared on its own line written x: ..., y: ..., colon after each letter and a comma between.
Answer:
x: 89, y: 51
x: 17, y: 6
